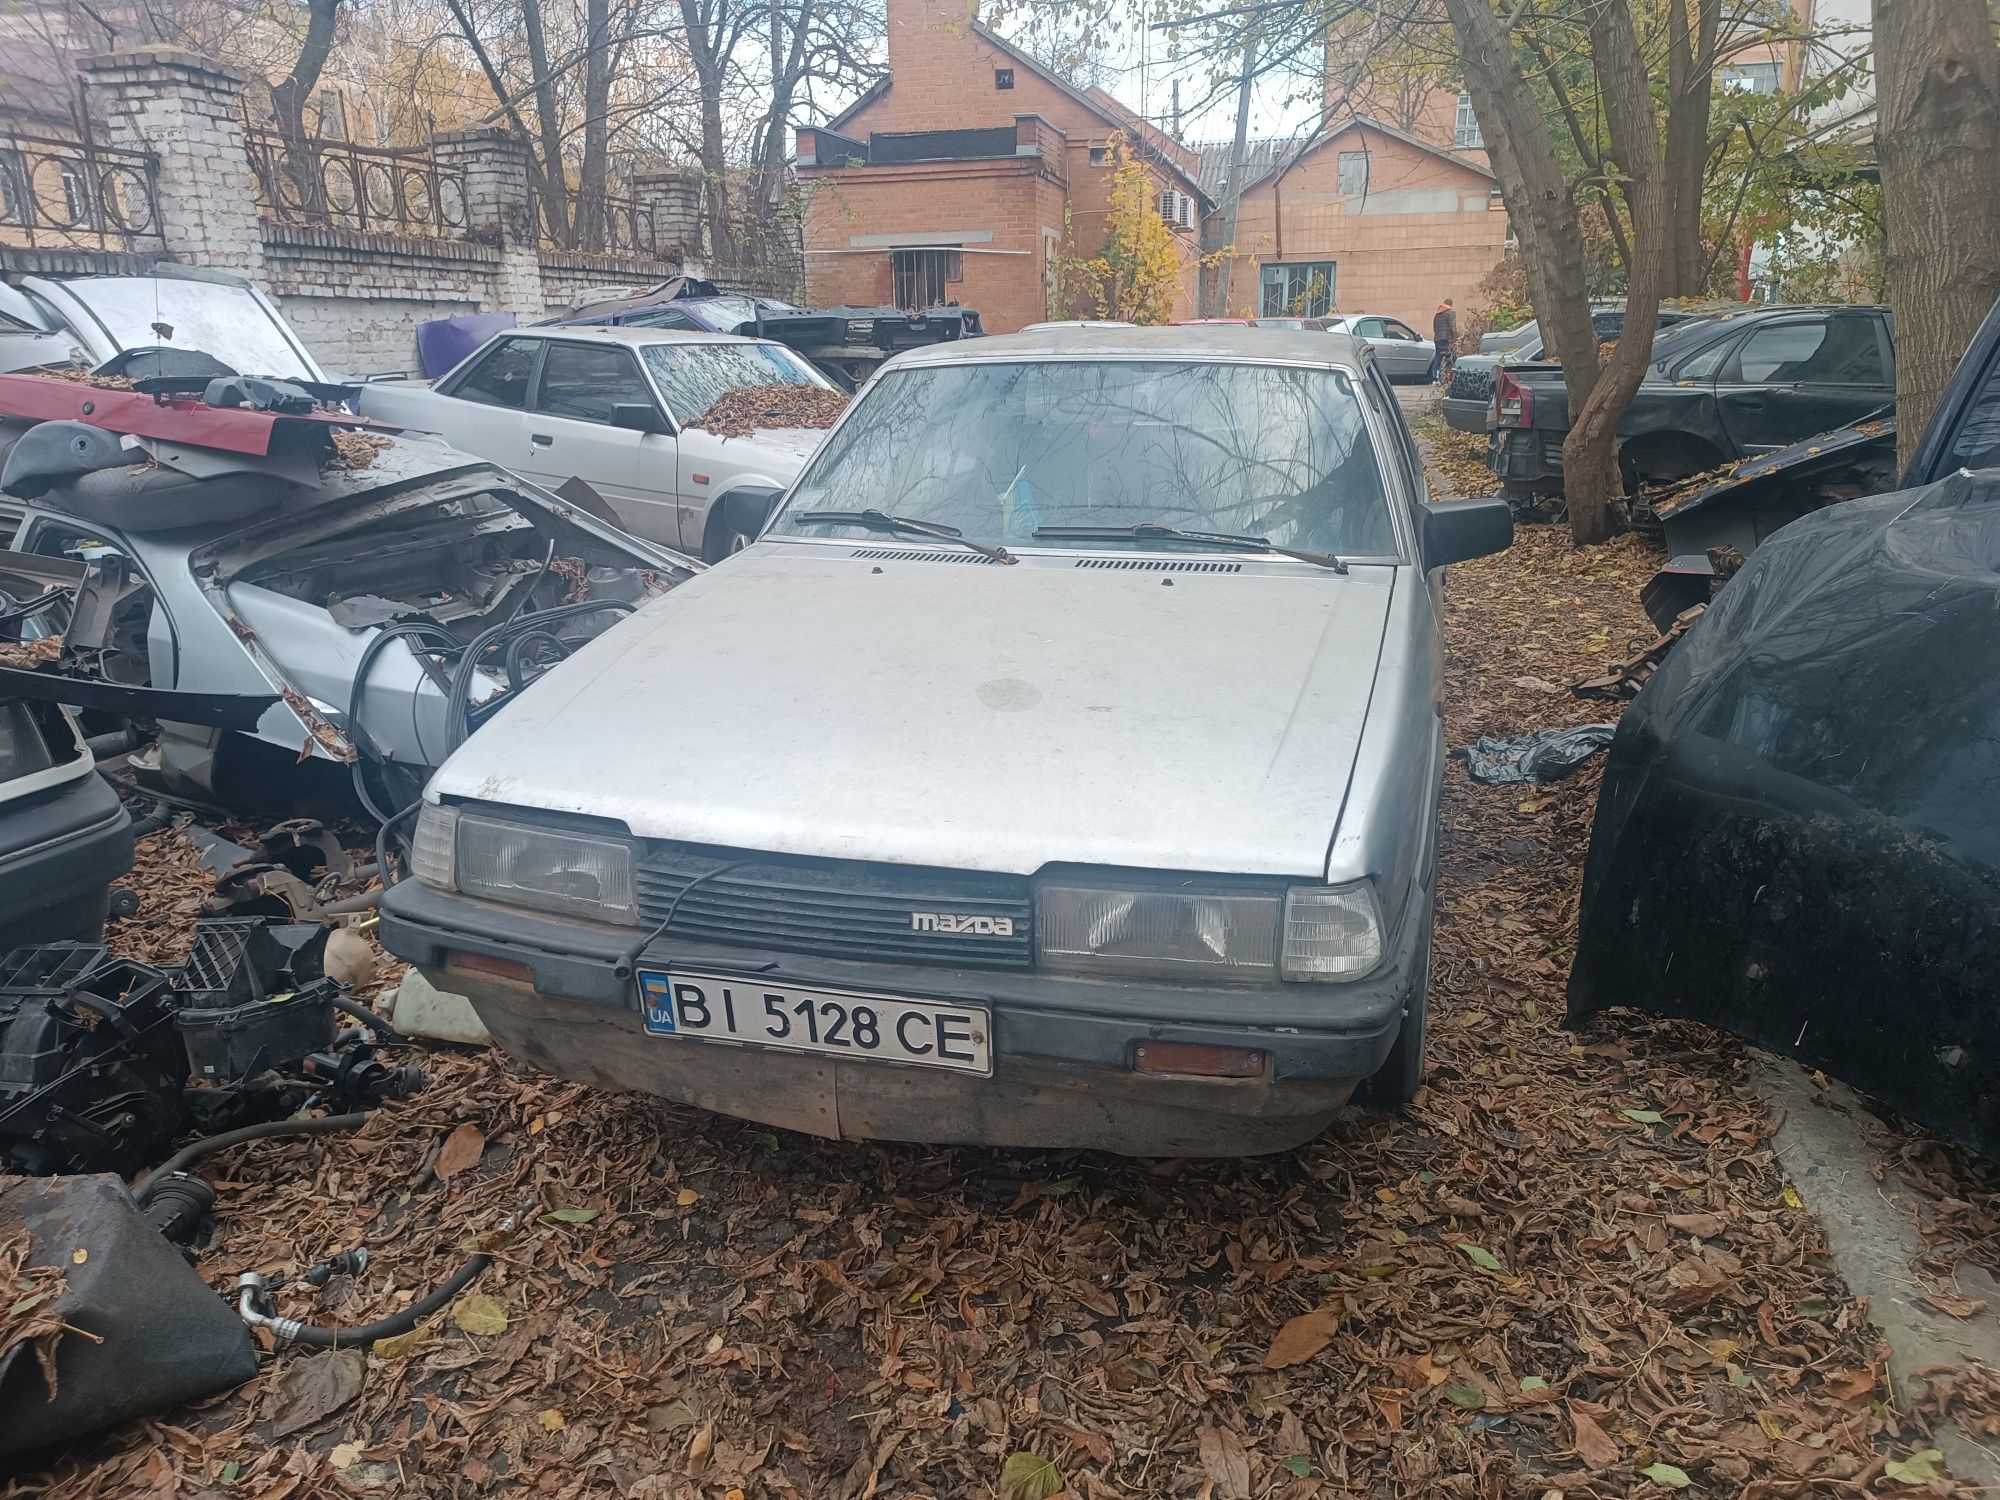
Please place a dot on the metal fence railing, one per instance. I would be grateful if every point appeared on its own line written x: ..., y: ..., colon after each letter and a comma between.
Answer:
x: 374, y: 189
x: 74, y: 194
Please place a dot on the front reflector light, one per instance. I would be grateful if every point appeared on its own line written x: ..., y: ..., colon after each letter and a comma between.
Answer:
x: 433, y: 846
x: 1331, y: 932
x: 546, y: 869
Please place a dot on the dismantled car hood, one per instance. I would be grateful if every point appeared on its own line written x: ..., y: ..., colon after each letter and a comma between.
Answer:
x: 927, y: 709
x: 1797, y: 839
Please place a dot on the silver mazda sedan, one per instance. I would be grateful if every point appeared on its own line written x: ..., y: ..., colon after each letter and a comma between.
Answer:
x: 1060, y: 767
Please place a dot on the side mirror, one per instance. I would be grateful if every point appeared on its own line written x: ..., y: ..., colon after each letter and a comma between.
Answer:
x: 1454, y: 530
x: 637, y: 416
x: 746, y: 511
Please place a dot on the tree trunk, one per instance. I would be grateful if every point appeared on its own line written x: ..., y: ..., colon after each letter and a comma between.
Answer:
x: 288, y: 102
x: 1938, y: 139
x: 548, y: 125
x: 706, y: 54
x: 1541, y: 213
x: 1693, y: 28
x: 592, y: 228
x: 1591, y: 477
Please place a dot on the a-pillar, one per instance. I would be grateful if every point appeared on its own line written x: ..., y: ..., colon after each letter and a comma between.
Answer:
x: 186, y: 111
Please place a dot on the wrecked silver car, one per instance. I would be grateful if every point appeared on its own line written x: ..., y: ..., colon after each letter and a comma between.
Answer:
x: 291, y: 579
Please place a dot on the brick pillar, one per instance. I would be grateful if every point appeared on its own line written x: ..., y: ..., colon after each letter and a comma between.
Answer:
x: 490, y: 166
x: 187, y: 110
x: 674, y: 199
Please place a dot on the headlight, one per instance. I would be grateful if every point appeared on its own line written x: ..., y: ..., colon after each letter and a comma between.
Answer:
x: 542, y: 868
x: 1165, y: 933
x: 1331, y: 931
x: 1310, y: 933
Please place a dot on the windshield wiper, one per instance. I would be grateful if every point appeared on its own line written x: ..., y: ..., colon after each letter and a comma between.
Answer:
x: 1174, y: 533
x: 881, y: 520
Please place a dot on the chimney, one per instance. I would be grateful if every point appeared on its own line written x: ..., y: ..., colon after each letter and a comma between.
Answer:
x: 916, y: 27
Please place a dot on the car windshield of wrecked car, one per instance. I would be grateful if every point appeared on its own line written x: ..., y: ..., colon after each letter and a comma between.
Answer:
x: 997, y: 450
x: 692, y: 377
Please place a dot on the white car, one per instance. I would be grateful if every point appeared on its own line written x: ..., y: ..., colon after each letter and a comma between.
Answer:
x: 614, y: 407
x: 1401, y: 353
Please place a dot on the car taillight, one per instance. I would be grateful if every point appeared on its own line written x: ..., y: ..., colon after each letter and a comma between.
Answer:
x: 1513, y: 403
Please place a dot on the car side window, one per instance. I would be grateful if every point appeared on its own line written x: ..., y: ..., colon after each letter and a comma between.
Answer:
x: 1392, y: 329
x: 1775, y: 352
x: 1609, y: 325
x: 1368, y: 328
x: 1976, y: 444
x: 1703, y: 366
x: 501, y: 378
x: 586, y: 381
x: 664, y: 317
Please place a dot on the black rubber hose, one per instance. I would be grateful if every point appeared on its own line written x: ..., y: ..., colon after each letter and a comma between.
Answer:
x: 402, y: 1322
x: 458, y: 722
x: 188, y: 1155
x: 383, y: 866
x: 383, y: 1030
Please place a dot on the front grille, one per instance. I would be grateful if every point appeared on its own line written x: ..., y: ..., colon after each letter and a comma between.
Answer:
x: 839, y: 908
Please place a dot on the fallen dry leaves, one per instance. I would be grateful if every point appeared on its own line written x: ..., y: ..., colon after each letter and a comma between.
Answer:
x: 696, y: 1306
x: 739, y: 413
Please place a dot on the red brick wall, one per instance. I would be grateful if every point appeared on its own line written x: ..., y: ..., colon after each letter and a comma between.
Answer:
x: 1401, y: 263
x: 942, y: 78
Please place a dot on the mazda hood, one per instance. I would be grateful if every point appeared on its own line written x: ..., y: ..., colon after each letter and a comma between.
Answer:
x: 932, y: 709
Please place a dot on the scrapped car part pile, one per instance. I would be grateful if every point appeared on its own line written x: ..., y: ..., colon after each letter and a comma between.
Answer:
x: 104, y: 1061
x: 1798, y: 840
x: 741, y: 412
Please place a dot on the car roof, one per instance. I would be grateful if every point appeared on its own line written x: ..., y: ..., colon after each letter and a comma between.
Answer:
x: 1209, y: 341
x: 604, y: 333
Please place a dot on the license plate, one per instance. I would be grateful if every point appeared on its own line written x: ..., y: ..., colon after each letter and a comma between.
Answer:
x: 826, y: 1023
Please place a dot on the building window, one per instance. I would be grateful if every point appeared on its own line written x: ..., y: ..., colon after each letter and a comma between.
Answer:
x: 17, y: 201
x: 1301, y: 289
x: 1465, y: 134
x: 1353, y: 173
x: 1100, y: 156
x: 1748, y: 78
x: 921, y: 276
x: 1003, y: 78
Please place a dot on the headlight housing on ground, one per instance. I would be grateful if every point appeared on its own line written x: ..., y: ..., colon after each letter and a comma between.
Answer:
x: 1309, y: 933
x: 531, y: 865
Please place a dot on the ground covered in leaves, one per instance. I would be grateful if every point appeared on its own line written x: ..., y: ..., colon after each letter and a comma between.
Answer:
x: 1572, y: 1266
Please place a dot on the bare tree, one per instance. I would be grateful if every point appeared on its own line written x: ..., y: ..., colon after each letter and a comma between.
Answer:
x: 1937, y: 137
x: 290, y: 95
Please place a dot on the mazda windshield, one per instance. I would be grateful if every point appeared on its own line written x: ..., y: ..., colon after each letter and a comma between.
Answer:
x: 999, y: 451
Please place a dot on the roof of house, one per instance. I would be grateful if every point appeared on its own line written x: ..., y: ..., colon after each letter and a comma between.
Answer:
x: 1156, y: 145
x: 1266, y: 157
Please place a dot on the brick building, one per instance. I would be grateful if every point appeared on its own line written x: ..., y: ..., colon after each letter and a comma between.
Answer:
x: 954, y: 177
x: 1367, y: 217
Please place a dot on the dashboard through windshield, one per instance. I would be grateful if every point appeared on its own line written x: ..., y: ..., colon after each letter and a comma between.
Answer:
x: 999, y: 450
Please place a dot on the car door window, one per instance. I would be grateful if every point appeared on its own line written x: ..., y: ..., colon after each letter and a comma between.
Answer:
x: 1976, y: 444
x: 1369, y: 328
x: 1704, y: 365
x: 664, y: 317
x: 1392, y: 329
x: 1774, y: 352
x: 501, y: 378
x: 586, y: 382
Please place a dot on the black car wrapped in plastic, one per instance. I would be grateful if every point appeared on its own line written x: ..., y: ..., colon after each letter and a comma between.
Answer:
x: 1798, y: 837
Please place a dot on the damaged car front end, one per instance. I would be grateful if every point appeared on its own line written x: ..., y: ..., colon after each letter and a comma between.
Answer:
x: 307, y: 582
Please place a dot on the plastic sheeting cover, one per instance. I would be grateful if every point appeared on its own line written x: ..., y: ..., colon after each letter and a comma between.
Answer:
x: 1799, y: 827
x: 1545, y: 755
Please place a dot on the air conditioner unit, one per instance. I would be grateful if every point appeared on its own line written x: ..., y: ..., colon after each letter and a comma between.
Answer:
x: 1177, y: 209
